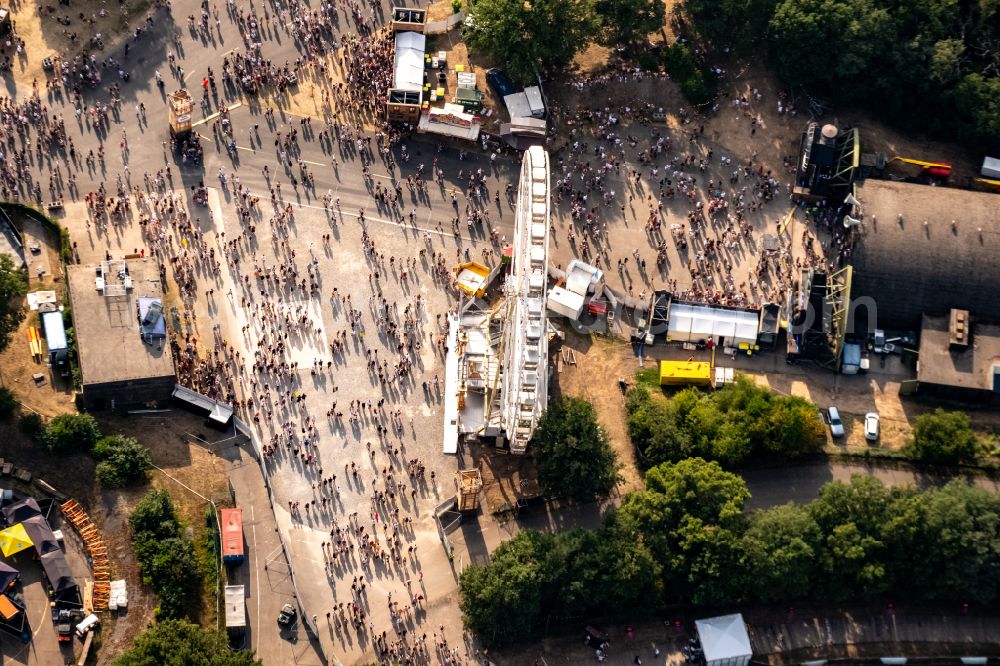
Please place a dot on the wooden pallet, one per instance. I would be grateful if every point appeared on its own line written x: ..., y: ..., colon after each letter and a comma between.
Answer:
x: 94, y: 543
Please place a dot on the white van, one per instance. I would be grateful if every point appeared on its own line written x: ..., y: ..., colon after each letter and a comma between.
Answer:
x: 88, y: 623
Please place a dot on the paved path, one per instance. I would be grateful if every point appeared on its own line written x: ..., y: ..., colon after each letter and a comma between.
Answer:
x: 265, y: 571
x: 801, y: 483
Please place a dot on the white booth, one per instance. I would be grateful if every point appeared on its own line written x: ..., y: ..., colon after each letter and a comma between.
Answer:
x: 724, y: 640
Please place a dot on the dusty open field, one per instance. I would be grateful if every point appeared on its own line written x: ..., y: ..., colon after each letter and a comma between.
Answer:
x: 599, y: 362
x: 51, y: 29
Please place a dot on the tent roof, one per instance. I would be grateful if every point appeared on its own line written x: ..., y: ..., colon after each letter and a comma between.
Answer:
x: 8, y: 575
x: 408, y: 70
x: 58, y: 572
x: 14, y: 539
x: 41, y: 534
x: 693, y: 321
x: 19, y: 511
x: 724, y: 637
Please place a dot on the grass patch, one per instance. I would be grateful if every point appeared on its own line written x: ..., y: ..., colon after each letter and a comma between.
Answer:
x: 649, y: 378
x: 207, y: 549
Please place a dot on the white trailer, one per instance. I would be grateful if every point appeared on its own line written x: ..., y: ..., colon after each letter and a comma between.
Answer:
x: 236, y: 610
x: 991, y: 168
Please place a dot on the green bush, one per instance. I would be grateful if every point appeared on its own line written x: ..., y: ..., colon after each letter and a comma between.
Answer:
x: 944, y: 438
x: 122, y: 461
x: 733, y: 425
x: 456, y: 6
x: 649, y: 60
x: 181, y: 643
x: 8, y: 404
x: 697, y: 90
x: 31, y: 425
x: 167, y: 558
x: 71, y: 433
x: 13, y: 287
x: 682, y: 67
x: 679, y: 62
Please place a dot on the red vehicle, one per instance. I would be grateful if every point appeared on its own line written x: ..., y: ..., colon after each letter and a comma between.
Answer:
x: 231, y: 524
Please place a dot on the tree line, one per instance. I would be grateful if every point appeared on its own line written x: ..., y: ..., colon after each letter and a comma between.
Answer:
x: 932, y: 65
x: 686, y: 539
x: 545, y: 35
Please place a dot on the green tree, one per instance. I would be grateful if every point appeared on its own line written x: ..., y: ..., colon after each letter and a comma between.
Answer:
x: 524, y: 35
x: 8, y: 404
x: 946, y: 61
x: 572, y: 452
x: 978, y: 101
x: 851, y: 556
x: 70, y: 433
x: 122, y: 461
x: 154, y: 516
x: 655, y: 428
x: 792, y: 428
x: 31, y: 425
x: 716, y: 19
x: 779, y: 548
x: 943, y: 437
x: 13, y: 287
x: 501, y: 601
x: 730, y: 425
x: 171, y: 568
x: 167, y: 559
x: 850, y: 32
x: 695, y: 487
x: 625, y: 21
x: 690, y: 516
x: 605, y: 573
x: 180, y: 643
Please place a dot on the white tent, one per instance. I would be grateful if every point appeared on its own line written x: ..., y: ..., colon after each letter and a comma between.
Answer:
x: 408, y: 73
x: 724, y: 640
x: 691, y: 322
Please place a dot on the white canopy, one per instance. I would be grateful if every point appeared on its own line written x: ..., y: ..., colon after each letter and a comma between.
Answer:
x: 690, y: 322
x: 408, y: 72
x: 724, y: 639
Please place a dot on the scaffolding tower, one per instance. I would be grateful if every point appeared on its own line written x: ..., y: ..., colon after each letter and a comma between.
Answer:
x: 470, y: 482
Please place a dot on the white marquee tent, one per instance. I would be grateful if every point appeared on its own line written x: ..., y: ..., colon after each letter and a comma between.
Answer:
x: 409, y: 66
x: 692, y: 322
x: 724, y: 640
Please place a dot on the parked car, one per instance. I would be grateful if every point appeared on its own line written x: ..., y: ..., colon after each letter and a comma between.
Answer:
x: 500, y: 82
x: 871, y: 426
x: 833, y: 418
x: 287, y: 615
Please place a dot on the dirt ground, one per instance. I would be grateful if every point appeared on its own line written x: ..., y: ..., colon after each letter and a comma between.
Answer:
x: 47, y: 29
x: 589, y: 368
x: 17, y: 366
x: 188, y: 469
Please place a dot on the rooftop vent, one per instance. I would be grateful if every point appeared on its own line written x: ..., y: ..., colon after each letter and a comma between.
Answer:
x: 959, y: 329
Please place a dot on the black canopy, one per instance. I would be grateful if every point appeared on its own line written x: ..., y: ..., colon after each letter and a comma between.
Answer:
x: 8, y: 576
x: 41, y: 534
x: 20, y: 511
x: 61, y: 578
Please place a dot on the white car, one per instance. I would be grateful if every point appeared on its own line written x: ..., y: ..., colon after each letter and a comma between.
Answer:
x: 836, y: 425
x: 871, y: 426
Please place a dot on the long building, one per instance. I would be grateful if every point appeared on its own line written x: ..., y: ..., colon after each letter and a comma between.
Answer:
x: 926, y: 250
